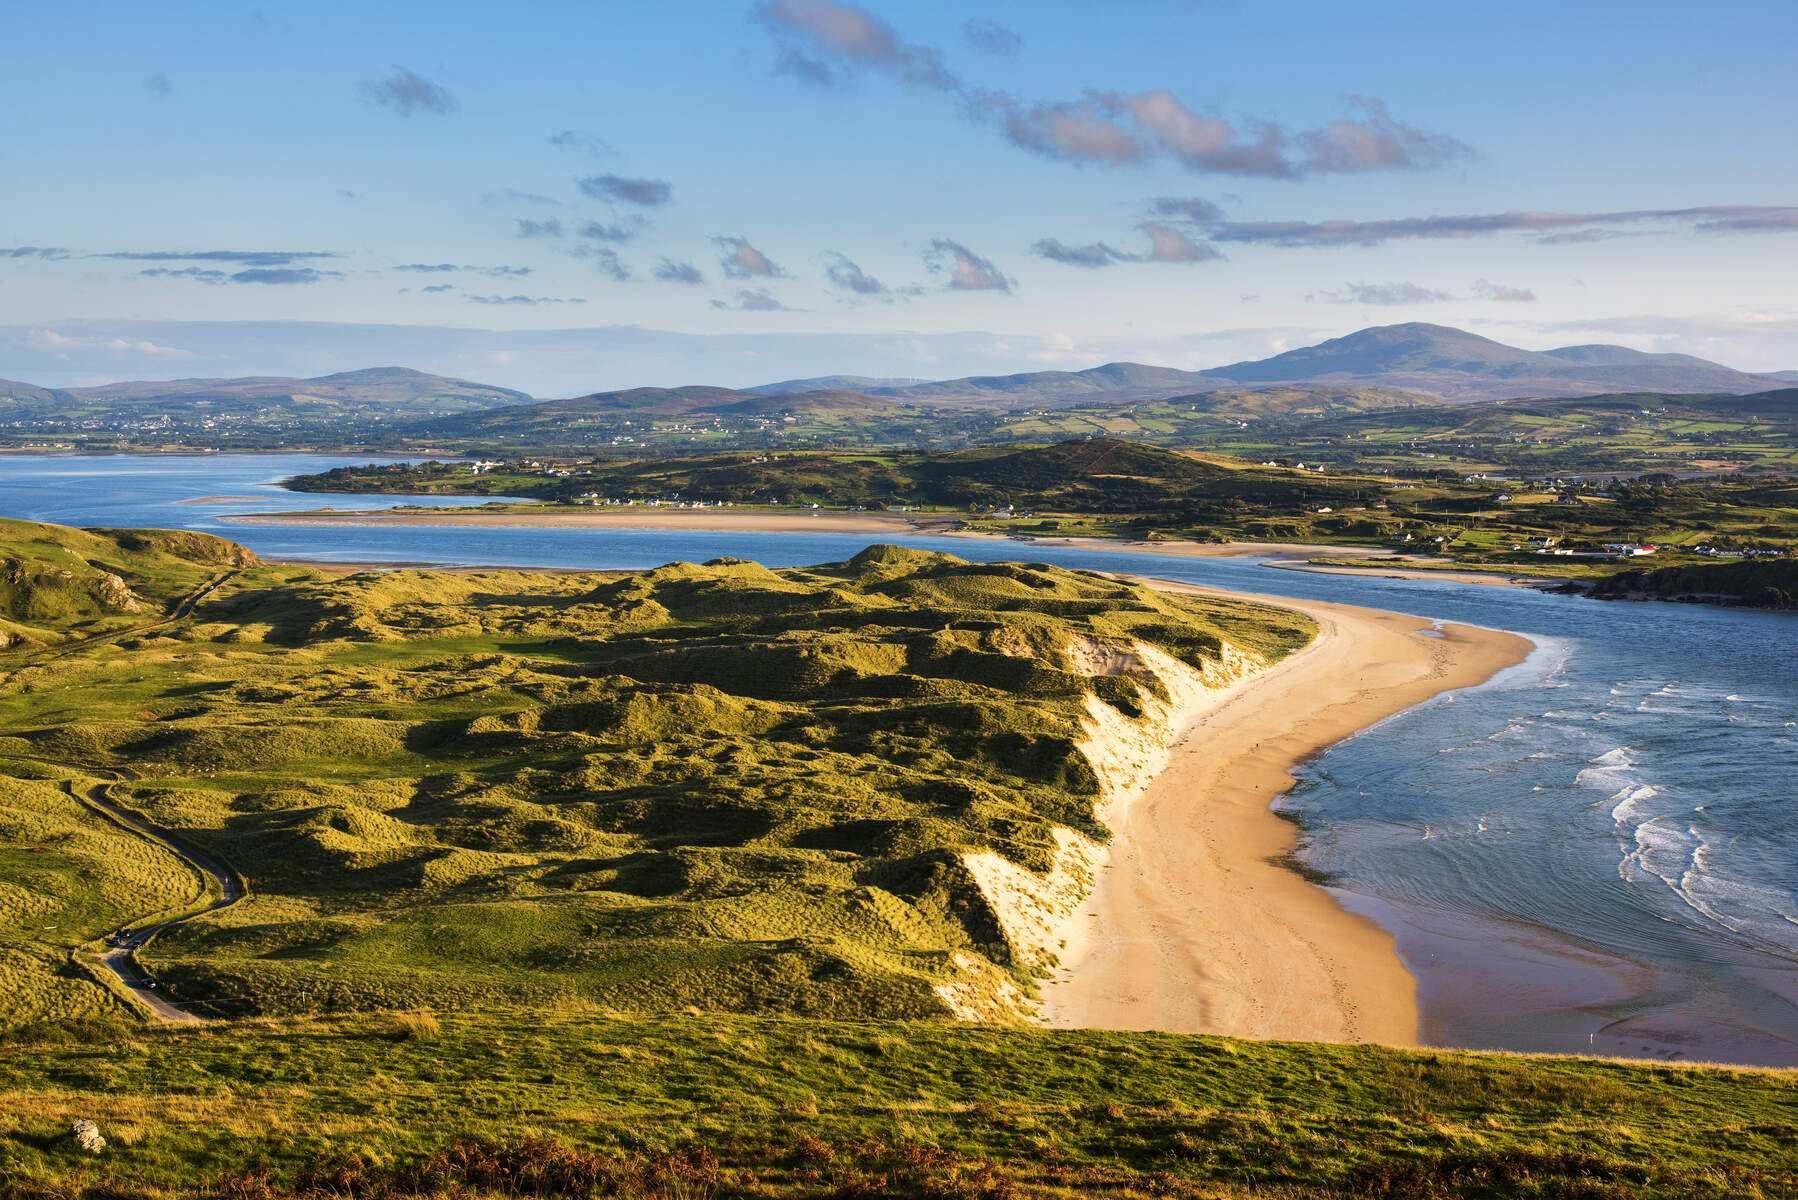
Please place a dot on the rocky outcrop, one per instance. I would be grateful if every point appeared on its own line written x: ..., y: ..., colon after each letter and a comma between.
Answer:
x: 87, y: 1136
x: 114, y: 593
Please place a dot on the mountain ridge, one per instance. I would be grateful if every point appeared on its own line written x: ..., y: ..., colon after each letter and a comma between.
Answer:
x: 1416, y: 359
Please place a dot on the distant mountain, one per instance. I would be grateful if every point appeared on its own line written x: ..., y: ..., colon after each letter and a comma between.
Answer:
x: 1385, y: 367
x: 1113, y: 383
x: 262, y: 411
x: 395, y: 391
x: 1435, y: 360
x: 831, y: 383
x: 27, y: 393
x: 1464, y: 367
x: 555, y: 420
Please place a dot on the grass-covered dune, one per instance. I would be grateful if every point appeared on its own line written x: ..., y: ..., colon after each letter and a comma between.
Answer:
x: 57, y: 583
x: 716, y: 786
x: 581, y: 1103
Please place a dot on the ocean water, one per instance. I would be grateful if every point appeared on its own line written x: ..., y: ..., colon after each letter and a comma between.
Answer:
x: 1597, y: 850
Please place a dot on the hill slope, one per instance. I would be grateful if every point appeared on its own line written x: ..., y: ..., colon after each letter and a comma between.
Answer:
x: 393, y: 391
x: 1436, y: 359
x: 1464, y: 367
x: 259, y: 410
x: 57, y: 582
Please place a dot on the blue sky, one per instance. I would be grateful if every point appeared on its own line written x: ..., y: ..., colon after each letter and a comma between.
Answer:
x: 735, y: 192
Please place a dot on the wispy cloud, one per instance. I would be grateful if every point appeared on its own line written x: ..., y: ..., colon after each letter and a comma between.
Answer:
x: 606, y: 261
x: 62, y: 344
x: 669, y: 271
x: 1097, y: 254
x: 199, y: 274
x: 584, y: 143
x: 1169, y: 245
x: 1191, y: 209
x: 1750, y: 220
x: 598, y: 231
x: 50, y: 253
x: 1166, y: 245
x: 822, y: 41
x: 245, y: 258
x: 813, y: 33
x: 283, y: 275
x: 1549, y: 226
x: 407, y: 92
x: 645, y: 193
x: 966, y: 270
x: 1485, y: 289
x: 1374, y: 142
x: 439, y: 287
x: 549, y: 227
x: 1383, y: 294
x: 443, y: 268
x: 990, y: 37
x: 279, y: 276
x: 756, y: 300
x: 514, y: 195
x: 527, y: 300
x: 845, y: 274
x: 740, y: 260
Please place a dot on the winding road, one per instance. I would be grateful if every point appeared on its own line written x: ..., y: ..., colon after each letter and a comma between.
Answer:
x: 121, y: 958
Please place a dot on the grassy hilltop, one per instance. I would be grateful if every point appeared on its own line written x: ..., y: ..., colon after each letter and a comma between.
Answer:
x: 58, y: 583
x: 712, y: 785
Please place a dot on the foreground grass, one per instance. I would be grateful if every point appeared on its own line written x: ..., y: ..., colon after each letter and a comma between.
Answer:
x: 808, y: 1107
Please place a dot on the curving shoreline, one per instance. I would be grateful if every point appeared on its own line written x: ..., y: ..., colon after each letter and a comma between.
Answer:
x: 1198, y: 924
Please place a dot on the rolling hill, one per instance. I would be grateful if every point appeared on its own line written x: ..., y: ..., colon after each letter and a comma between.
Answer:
x: 394, y: 391
x: 380, y: 395
x: 603, y: 413
x: 13, y: 392
x: 1464, y: 367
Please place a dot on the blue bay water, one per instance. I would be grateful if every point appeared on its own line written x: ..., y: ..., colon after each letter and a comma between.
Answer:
x: 1598, y: 850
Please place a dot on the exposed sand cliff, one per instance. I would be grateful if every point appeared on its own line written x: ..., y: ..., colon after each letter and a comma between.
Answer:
x: 1039, y: 913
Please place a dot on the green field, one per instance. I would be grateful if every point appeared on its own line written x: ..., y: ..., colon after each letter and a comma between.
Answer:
x: 565, y: 1102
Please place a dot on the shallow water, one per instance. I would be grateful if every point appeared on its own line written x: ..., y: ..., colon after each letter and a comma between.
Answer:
x: 1597, y: 850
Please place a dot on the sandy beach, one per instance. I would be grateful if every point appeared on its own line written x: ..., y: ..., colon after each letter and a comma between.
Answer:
x: 1377, y: 570
x: 1195, y: 925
